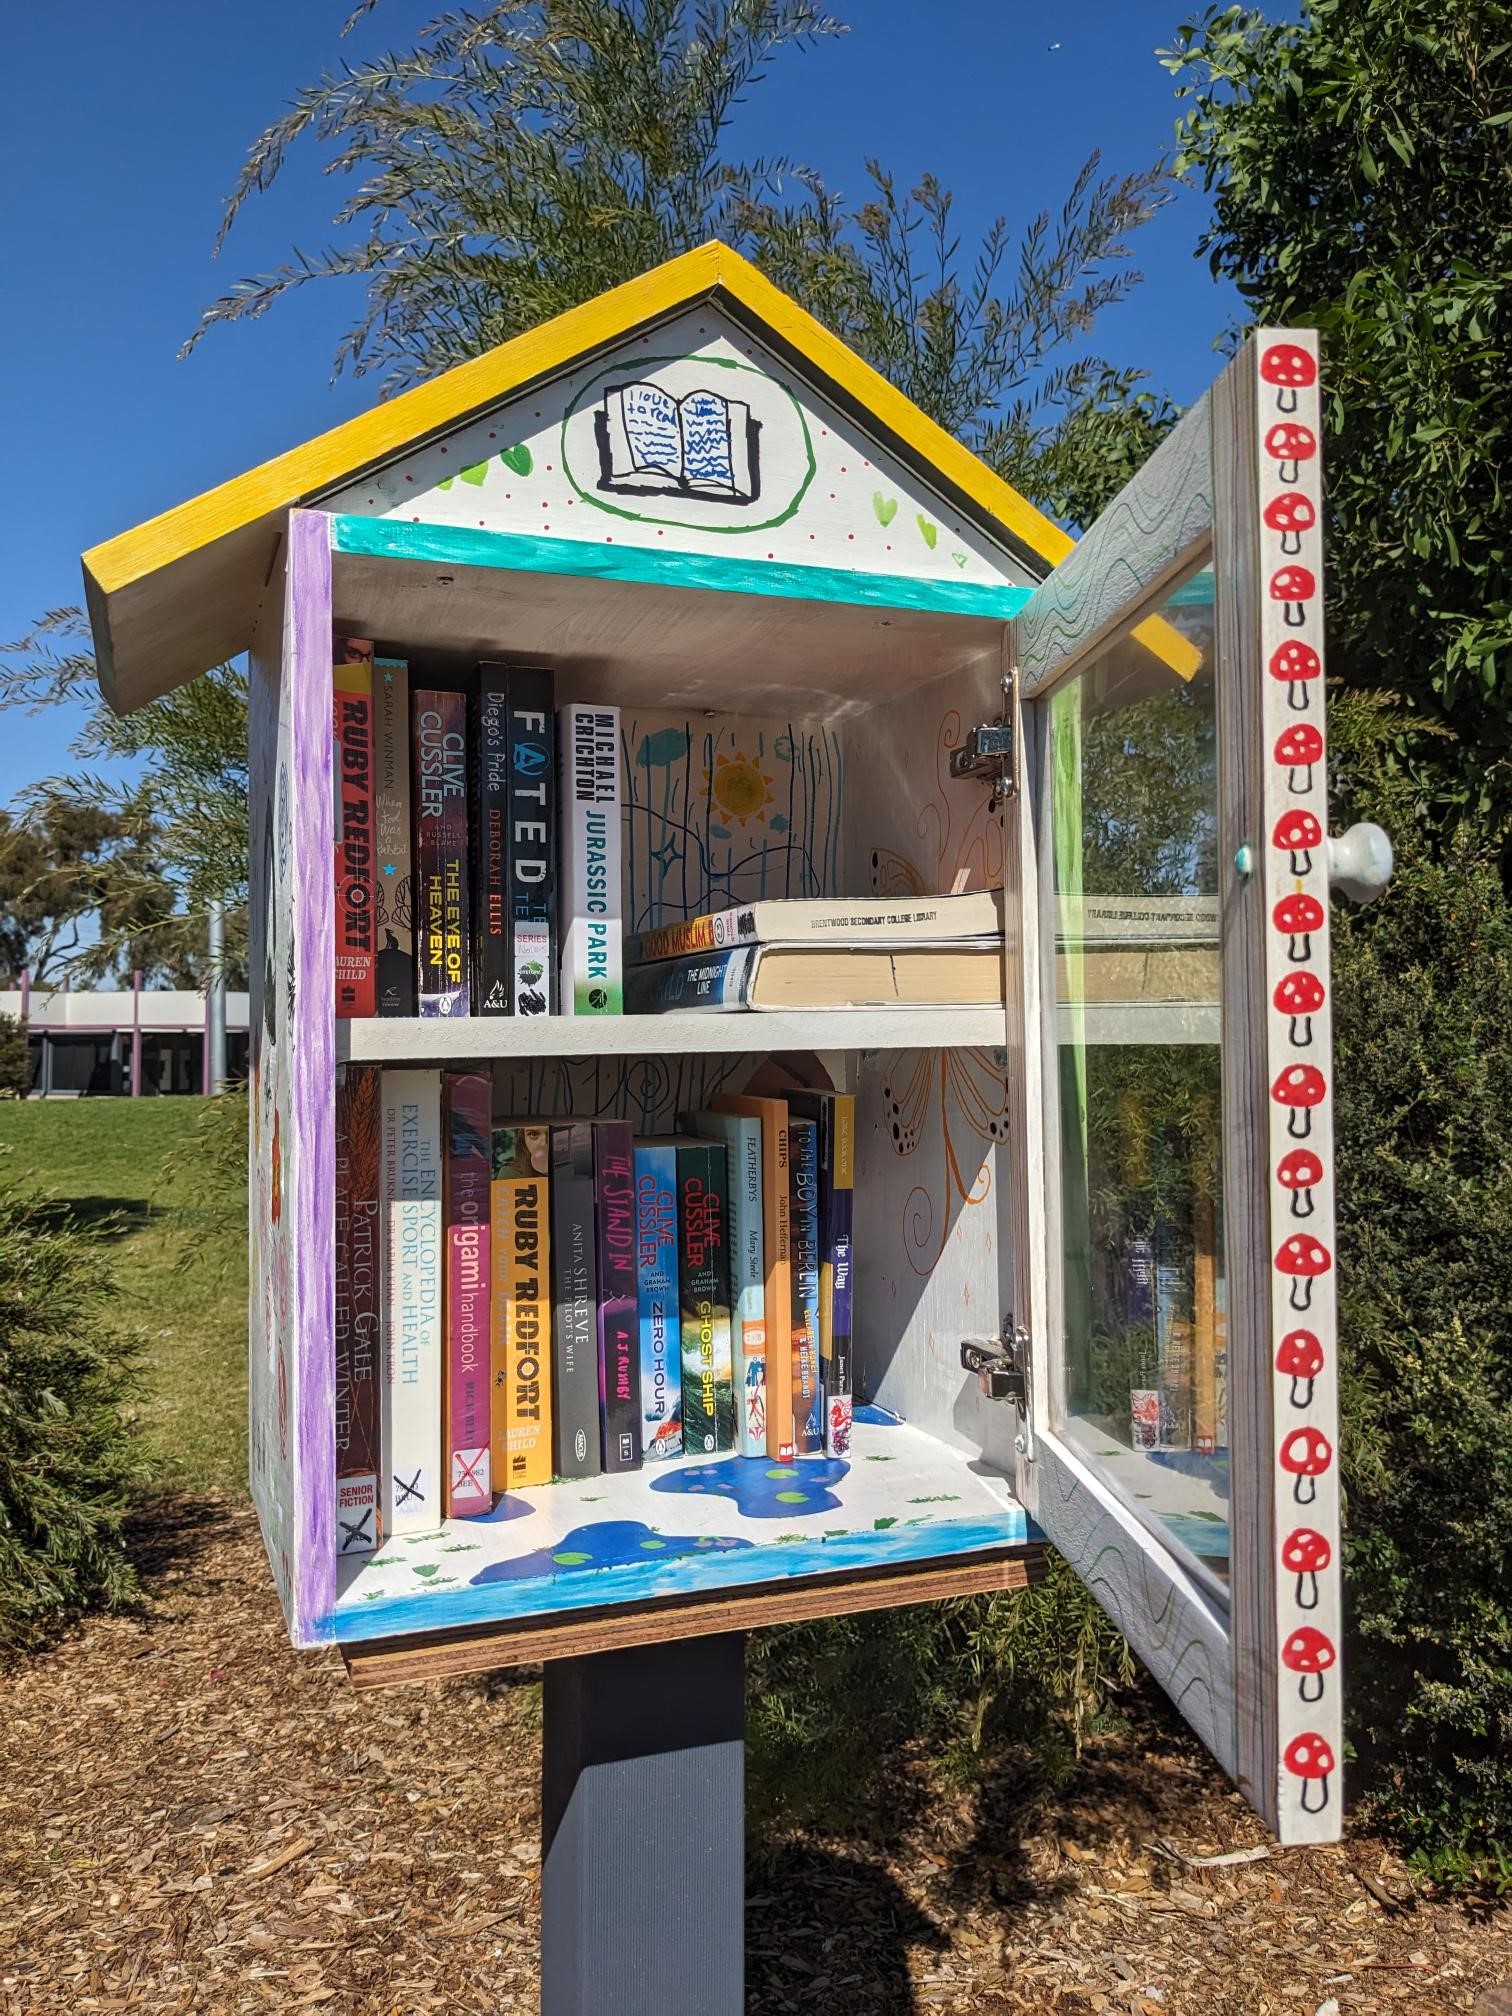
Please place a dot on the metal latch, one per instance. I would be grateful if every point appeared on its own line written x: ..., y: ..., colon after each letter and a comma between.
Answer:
x: 987, y: 752
x: 1001, y: 1365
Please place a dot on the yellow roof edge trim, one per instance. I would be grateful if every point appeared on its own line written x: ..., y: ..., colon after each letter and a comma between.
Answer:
x: 368, y: 439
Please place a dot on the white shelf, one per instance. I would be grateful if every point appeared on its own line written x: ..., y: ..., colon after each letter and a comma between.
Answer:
x: 395, y: 1039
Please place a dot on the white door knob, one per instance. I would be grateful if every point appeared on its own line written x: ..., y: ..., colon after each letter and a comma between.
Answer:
x: 1360, y: 862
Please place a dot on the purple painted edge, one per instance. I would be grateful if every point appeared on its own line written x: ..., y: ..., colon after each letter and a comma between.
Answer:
x: 312, y: 1070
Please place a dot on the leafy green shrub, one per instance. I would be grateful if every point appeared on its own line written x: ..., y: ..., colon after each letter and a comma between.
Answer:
x: 68, y: 1448
x: 15, y: 1062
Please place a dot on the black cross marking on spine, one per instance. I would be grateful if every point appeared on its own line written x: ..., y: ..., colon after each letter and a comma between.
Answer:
x: 356, y: 1530
x: 409, y: 1490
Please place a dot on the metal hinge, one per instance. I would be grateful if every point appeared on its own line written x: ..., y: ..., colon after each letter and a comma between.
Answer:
x: 987, y: 752
x: 1001, y: 1365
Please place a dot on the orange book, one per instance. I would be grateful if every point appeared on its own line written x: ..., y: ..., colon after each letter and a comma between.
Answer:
x: 773, y: 1115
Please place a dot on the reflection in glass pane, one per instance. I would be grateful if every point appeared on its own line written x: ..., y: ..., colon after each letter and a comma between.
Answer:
x: 1133, y: 813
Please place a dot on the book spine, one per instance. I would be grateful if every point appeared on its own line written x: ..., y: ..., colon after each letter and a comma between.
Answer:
x: 352, y: 725
x: 522, y: 1329
x: 838, y: 1198
x: 708, y: 1372
x: 410, y: 1484
x: 358, y: 1311
x: 574, y: 1300
x: 670, y: 941
x: 803, y: 1190
x: 533, y: 950
x: 467, y: 1481
x: 490, y: 806
x: 618, y: 1342
x: 592, y: 980
x: 442, y: 933
x: 711, y: 982
x: 393, y: 884
x: 657, y: 1301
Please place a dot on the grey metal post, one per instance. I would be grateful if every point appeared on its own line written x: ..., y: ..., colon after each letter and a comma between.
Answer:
x: 215, y: 1067
x: 643, y: 1832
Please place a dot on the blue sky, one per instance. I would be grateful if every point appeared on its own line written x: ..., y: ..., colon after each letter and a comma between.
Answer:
x: 126, y: 126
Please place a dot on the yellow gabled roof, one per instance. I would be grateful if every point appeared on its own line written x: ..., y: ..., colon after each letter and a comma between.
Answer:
x: 180, y: 593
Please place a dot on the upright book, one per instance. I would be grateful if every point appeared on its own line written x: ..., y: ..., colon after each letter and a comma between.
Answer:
x: 532, y: 819
x: 468, y: 1097
x: 834, y: 1114
x: 618, y: 1338
x: 772, y: 1116
x: 522, y: 1305
x: 574, y: 1304
x: 410, y: 1479
x: 657, y: 1299
x: 442, y: 910
x: 489, y: 757
x: 703, y: 1194
x: 803, y: 1191
x: 358, y: 1311
x: 353, y: 762
x: 393, y: 881
x: 592, y: 902
x: 742, y: 1138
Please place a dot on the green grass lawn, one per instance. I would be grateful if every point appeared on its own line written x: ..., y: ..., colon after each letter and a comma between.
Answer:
x: 174, y: 1235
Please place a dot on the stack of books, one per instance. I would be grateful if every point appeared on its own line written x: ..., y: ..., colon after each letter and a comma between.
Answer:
x: 519, y: 1300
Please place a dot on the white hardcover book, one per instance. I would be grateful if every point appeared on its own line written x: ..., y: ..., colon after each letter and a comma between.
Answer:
x: 411, y: 1189
x: 592, y: 899
x: 742, y: 1138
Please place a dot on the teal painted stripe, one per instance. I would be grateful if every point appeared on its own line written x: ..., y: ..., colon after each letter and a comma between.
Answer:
x: 467, y: 546
x: 590, y: 1589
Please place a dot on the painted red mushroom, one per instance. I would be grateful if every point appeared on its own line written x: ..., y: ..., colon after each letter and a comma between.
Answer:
x: 1307, y: 1555
x: 1298, y: 915
x: 1299, y: 995
x: 1290, y: 370
x: 1290, y: 444
x: 1299, y: 1357
x: 1300, y: 1172
x: 1303, y: 1258
x: 1305, y: 1455
x: 1300, y: 745
x: 1299, y: 832
x: 1300, y: 1087
x: 1309, y: 1653
x: 1296, y: 663
x: 1293, y: 587
x: 1291, y: 514
x: 1309, y: 1758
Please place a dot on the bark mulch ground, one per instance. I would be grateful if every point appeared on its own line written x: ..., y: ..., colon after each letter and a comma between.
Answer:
x: 193, y: 1818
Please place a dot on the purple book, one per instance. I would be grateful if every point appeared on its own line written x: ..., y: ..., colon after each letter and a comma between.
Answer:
x: 618, y: 1339
x: 443, y: 947
x: 467, y: 1370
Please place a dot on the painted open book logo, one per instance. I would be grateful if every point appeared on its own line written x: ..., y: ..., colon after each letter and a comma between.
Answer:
x: 701, y: 445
